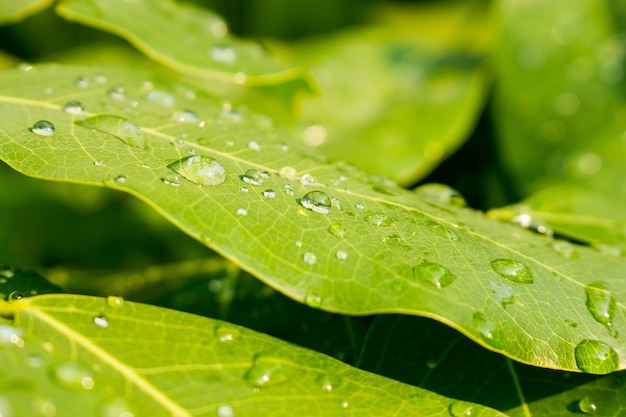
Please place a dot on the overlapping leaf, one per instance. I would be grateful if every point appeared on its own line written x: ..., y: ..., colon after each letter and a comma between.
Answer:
x: 426, y: 354
x: 378, y: 248
x: 11, y: 11
x: 71, y: 354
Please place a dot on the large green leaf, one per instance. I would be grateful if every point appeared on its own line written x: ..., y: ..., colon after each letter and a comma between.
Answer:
x: 80, y: 355
x: 324, y: 234
x: 559, y: 104
x: 391, y: 101
x: 11, y: 11
x: 189, y: 39
x: 429, y: 355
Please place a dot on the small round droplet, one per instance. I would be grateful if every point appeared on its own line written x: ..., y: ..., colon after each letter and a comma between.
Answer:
x: 440, y: 193
x: 15, y: 295
x: 43, y: 128
x: 223, y: 54
x: 461, y: 409
x: 74, y: 376
x: 83, y: 82
x: 360, y: 206
x: 268, y: 369
x: 253, y: 176
x: 288, y: 173
x: 74, y: 107
x: 254, y: 145
x: 328, y: 382
x: 587, y: 406
x: 186, y: 116
x: 298, y: 243
x: 309, y: 258
x: 317, y: 202
x: 341, y: 254
x: 120, y: 179
x: 242, y: 211
x: 101, y: 321
x: 433, y: 274
x: 308, y: 180
x: 313, y: 300
x: 379, y: 220
x: 596, y: 357
x: 337, y: 230
x: 7, y: 271
x: 225, y: 410
x: 99, y: 163
x: 117, y: 93
x: 244, y: 189
x: 171, y: 179
x: 226, y: 334
x: 200, y: 169
x: 269, y: 193
x: 565, y: 249
x: 512, y: 270
x: 115, y: 301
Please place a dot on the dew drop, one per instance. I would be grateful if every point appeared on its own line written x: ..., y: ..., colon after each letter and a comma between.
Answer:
x: 602, y: 304
x: 43, y: 128
x: 328, y: 382
x: 117, y: 93
x: 512, y: 270
x: 288, y: 173
x: 298, y: 243
x: 360, y: 206
x: 268, y: 369
x: 74, y: 107
x: 83, y: 82
x: 223, y: 54
x: 101, y: 321
x: 483, y: 325
x: 461, y: 409
x: 441, y: 230
x: 254, y: 145
x: 120, y: 127
x: 120, y: 179
x: 10, y: 335
x: 341, y: 255
x: 226, y: 334
x: 308, y: 180
x: 440, y: 193
x: 317, y: 202
x: 433, y: 274
x: 309, y: 258
x: 253, y: 176
x: 379, y: 220
x: 115, y: 408
x: 587, y: 406
x: 15, y: 295
x: 244, y: 189
x: 565, y: 249
x: 571, y: 323
x: 162, y: 98
x: 115, y: 301
x: 99, y: 163
x: 242, y: 211
x: 225, y: 410
x: 171, y: 179
x: 200, y: 169
x: 595, y: 357
x: 269, y: 193
x: 185, y: 116
x: 7, y: 271
x: 74, y: 376
x: 313, y: 300
x: 337, y: 230
x: 289, y: 189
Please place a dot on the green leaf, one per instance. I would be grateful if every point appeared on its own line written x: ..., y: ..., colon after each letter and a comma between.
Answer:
x: 189, y: 39
x: 434, y: 357
x: 16, y: 283
x: 419, y: 107
x: 378, y: 249
x: 84, y: 355
x: 13, y: 11
x: 559, y: 103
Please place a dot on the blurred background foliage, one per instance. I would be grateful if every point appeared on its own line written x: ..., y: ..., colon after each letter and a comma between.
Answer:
x: 498, y: 99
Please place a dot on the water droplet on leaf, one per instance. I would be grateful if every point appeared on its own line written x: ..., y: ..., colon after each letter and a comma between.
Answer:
x: 120, y: 127
x: 226, y: 334
x: 200, y: 169
x: 440, y: 193
x: 74, y: 107
x: 461, y: 409
x: 253, y: 176
x: 602, y: 304
x: 269, y: 193
x: 379, y: 220
x: 115, y: 301
x: 433, y: 274
x: 225, y: 410
x: 15, y: 295
x: 587, y: 406
x: 566, y: 249
x: 308, y: 180
x: 268, y: 369
x: 341, y: 255
x: 317, y: 202
x: 337, y: 230
x: 117, y: 93
x: 596, y: 357
x: 74, y: 376
x: 288, y: 173
x: 512, y: 270
x: 309, y: 258
x: 360, y: 206
x: 7, y: 271
x: 101, y: 321
x: 223, y: 54
x: 171, y: 179
x: 242, y: 211
x: 43, y: 128
x: 185, y: 116
x: 254, y: 145
x: 328, y: 382
x: 441, y: 230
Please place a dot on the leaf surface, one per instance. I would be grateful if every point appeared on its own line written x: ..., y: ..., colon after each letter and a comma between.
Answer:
x: 324, y: 234
x: 13, y: 11
x: 189, y: 39
x: 429, y: 355
x: 110, y: 356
